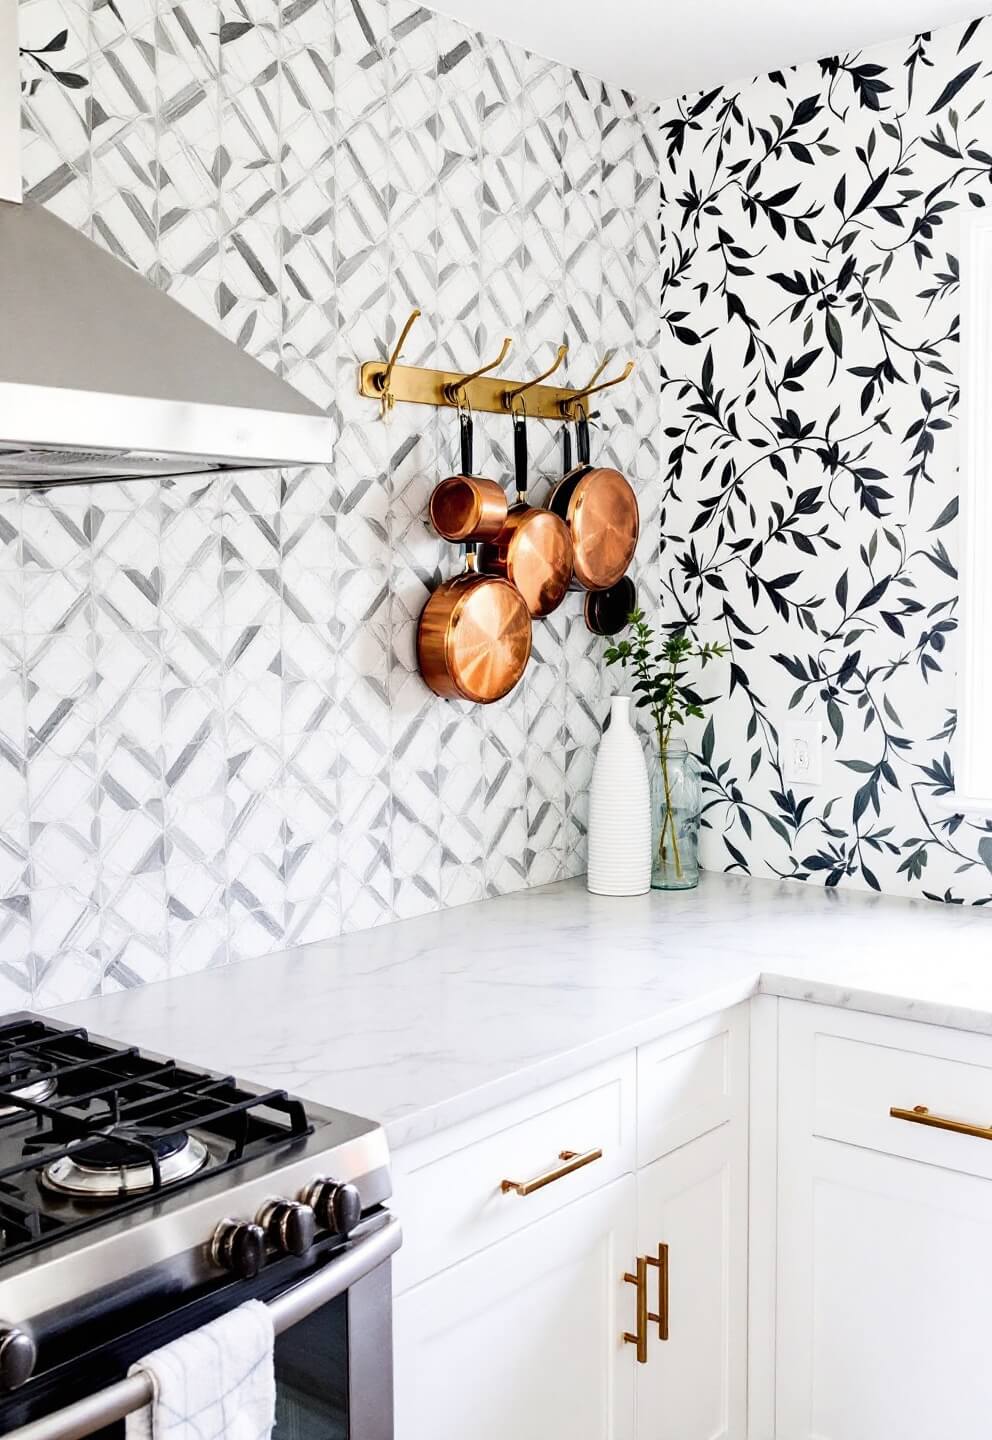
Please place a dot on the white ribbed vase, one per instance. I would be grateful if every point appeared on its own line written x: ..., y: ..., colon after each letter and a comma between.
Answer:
x: 619, y: 810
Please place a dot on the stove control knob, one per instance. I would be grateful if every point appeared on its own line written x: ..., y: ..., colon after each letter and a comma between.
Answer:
x: 338, y: 1207
x: 290, y: 1225
x: 239, y: 1247
x: 17, y: 1356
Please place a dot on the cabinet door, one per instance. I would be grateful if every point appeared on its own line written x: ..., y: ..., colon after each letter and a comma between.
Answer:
x: 885, y: 1272
x: 525, y: 1338
x: 694, y: 1201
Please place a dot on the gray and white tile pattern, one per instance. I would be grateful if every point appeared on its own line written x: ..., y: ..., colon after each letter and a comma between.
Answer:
x: 213, y: 739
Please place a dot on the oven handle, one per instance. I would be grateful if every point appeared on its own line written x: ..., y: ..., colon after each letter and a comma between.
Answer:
x: 124, y: 1397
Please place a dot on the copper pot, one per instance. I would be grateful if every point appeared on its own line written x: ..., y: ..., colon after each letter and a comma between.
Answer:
x: 474, y: 637
x: 534, y: 549
x: 466, y: 506
x: 600, y: 510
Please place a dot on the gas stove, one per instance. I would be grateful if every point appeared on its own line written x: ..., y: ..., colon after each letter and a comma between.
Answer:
x: 131, y: 1184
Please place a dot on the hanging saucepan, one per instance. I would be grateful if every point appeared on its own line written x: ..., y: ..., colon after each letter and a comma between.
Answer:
x: 533, y: 551
x: 468, y: 507
x: 474, y: 635
x: 608, y: 611
x: 600, y: 510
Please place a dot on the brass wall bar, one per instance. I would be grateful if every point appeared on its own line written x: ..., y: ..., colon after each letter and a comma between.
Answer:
x: 387, y: 381
x: 414, y: 386
x: 920, y: 1115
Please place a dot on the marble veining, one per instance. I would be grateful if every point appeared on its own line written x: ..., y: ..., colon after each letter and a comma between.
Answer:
x: 430, y: 1021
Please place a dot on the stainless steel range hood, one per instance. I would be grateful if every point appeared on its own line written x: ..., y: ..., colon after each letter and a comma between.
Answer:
x: 102, y: 376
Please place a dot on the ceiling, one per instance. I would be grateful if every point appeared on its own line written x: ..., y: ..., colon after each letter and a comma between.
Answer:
x: 661, y: 48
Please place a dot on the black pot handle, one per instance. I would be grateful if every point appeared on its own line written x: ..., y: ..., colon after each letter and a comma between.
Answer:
x: 520, y: 455
x: 582, y: 438
x: 466, y: 437
x: 566, y: 449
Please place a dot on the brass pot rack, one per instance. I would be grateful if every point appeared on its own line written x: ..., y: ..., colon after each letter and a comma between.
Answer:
x: 388, y: 381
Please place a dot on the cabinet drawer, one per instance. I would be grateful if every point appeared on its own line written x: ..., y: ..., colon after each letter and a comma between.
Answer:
x: 691, y: 1082
x: 859, y: 1067
x: 448, y: 1191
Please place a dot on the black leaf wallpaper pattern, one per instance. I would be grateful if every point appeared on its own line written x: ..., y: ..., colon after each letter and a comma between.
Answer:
x: 810, y: 398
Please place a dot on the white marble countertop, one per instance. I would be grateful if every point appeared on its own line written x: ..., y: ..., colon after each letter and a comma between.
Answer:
x: 427, y: 1022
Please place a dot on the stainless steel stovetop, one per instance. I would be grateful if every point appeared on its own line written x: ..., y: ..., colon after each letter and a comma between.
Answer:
x: 124, y: 1175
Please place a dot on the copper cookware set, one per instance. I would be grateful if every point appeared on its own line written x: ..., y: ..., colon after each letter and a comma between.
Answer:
x: 474, y: 636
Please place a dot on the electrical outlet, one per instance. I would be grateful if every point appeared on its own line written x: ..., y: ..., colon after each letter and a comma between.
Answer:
x: 802, y: 752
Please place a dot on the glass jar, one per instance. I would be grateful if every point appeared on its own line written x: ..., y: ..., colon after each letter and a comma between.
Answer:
x: 676, y: 802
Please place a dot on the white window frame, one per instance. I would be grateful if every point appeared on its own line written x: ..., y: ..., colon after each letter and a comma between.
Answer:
x: 973, y: 739
x: 10, y: 104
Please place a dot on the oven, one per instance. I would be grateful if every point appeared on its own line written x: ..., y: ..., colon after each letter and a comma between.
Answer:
x: 331, y: 1311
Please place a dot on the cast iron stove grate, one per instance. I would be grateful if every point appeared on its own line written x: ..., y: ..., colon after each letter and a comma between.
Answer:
x: 113, y: 1098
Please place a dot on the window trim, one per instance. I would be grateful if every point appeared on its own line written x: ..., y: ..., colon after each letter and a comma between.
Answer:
x: 972, y: 746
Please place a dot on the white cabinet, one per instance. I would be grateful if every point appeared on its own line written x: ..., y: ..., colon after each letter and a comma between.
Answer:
x: 511, y: 1300
x: 885, y: 1231
x: 524, y: 1339
x: 885, y: 1276
x: 694, y: 1202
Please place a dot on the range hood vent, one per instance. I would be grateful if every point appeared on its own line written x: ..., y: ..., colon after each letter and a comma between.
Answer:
x: 104, y: 377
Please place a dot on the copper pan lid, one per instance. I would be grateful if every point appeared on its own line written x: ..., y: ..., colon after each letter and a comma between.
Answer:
x: 534, y: 550
x: 604, y: 522
x: 474, y: 638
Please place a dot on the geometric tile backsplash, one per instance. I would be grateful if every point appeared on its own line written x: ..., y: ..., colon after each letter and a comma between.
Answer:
x: 213, y: 738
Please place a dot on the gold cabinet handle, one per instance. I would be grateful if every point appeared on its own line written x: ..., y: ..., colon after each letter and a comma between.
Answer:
x: 644, y: 1316
x: 661, y: 1264
x: 920, y: 1115
x: 572, y: 1162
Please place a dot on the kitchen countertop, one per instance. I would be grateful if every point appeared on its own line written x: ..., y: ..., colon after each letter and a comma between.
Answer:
x: 426, y: 1022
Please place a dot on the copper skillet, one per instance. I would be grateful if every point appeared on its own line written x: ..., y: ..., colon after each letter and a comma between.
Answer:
x: 533, y: 550
x: 474, y: 635
x: 600, y: 510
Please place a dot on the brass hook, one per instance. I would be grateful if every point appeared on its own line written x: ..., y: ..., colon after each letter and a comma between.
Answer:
x: 383, y: 383
x: 510, y: 395
x: 568, y: 406
x: 456, y: 388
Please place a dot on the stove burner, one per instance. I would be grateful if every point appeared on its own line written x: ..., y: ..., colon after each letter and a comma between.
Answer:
x: 114, y: 1165
x: 99, y: 1130
x: 23, y: 1077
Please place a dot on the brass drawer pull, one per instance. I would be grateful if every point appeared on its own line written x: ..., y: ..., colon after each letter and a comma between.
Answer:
x: 920, y: 1115
x: 643, y: 1314
x: 572, y: 1161
x: 661, y: 1264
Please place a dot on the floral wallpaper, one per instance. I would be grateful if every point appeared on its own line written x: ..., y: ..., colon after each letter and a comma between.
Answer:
x: 810, y: 400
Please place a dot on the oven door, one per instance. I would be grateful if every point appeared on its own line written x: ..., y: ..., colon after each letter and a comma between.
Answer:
x: 334, y: 1367
x: 333, y: 1353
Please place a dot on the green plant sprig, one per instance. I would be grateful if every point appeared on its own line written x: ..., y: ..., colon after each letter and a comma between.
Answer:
x: 661, y: 687
x: 661, y: 684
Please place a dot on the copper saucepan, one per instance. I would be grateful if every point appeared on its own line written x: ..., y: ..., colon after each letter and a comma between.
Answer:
x: 466, y: 506
x: 474, y: 635
x: 600, y: 510
x: 534, y: 550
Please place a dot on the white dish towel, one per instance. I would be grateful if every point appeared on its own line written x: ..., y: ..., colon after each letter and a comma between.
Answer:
x: 216, y: 1383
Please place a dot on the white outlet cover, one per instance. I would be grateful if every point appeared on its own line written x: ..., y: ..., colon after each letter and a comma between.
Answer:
x: 802, y: 752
